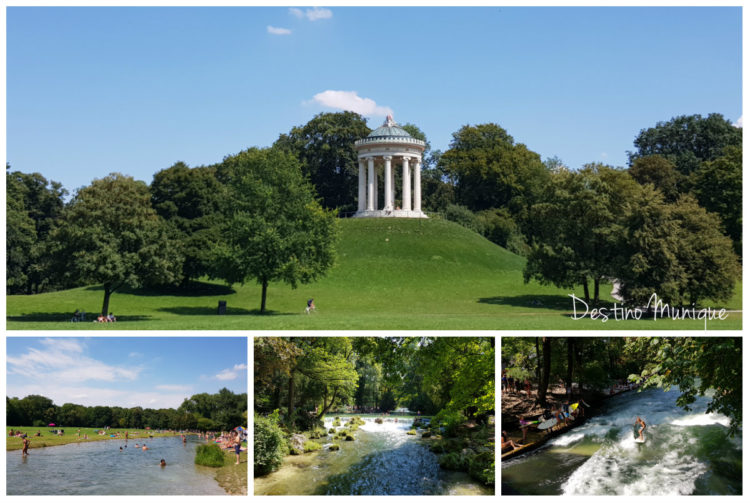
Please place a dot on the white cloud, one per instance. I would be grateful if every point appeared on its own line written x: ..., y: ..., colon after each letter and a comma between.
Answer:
x: 349, y: 100
x: 278, y: 31
x: 231, y: 374
x: 312, y: 14
x: 738, y: 123
x: 135, y: 354
x: 62, y: 361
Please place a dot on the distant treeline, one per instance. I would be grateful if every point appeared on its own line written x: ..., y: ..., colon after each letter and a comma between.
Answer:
x: 205, y: 412
x: 669, y: 223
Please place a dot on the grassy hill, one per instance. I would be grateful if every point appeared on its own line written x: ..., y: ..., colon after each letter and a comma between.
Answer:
x: 390, y: 274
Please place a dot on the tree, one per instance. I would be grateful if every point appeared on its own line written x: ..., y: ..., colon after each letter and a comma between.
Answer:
x: 687, y: 140
x: 659, y: 172
x: 577, y: 228
x: 695, y: 365
x: 190, y: 201
x: 110, y: 234
x: 490, y: 170
x: 325, y: 149
x: 676, y: 251
x: 277, y: 231
x: 717, y: 185
x: 33, y: 206
x: 541, y: 397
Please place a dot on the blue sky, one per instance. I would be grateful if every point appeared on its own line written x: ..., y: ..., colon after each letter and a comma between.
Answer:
x: 96, y: 90
x: 151, y: 372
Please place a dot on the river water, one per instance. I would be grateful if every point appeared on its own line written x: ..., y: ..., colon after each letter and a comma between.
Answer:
x: 100, y: 468
x: 382, y: 460
x: 686, y: 452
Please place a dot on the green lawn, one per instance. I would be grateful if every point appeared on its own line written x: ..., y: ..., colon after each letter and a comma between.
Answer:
x: 71, y: 436
x: 390, y: 274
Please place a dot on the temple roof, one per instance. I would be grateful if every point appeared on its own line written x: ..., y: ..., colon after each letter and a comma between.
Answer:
x: 389, y: 128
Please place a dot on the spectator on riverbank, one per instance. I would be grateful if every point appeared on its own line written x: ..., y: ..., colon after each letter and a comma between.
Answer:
x: 507, y: 443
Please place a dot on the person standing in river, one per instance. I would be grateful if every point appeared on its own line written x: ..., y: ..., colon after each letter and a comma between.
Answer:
x: 640, y: 422
x: 25, y: 451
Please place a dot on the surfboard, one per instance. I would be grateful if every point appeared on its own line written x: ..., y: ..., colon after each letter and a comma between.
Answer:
x: 549, y: 423
x: 639, y: 441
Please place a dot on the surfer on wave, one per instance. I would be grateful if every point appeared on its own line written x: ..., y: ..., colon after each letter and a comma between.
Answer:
x: 640, y: 422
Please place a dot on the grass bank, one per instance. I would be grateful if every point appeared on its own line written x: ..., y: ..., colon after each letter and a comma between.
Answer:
x: 71, y: 436
x: 231, y: 477
x: 391, y: 274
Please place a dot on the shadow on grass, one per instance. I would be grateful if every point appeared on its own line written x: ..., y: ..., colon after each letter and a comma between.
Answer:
x: 212, y: 311
x: 533, y: 301
x: 58, y: 317
x: 192, y: 289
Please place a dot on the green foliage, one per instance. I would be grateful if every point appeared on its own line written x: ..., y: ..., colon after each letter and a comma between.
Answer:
x: 453, y: 461
x: 717, y: 186
x: 464, y: 217
x: 577, y: 227
x: 190, y: 201
x: 311, y: 446
x: 411, y: 432
x: 490, y: 170
x: 695, y: 365
x: 349, y: 437
x: 498, y: 226
x: 482, y: 467
x: 659, y: 172
x: 334, y: 447
x: 451, y: 420
x: 109, y: 234
x: 276, y: 230
x: 209, y: 455
x: 687, y: 140
x: 325, y: 149
x: 269, y: 446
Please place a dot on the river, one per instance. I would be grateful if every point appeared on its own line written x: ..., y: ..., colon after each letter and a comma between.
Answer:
x: 382, y: 460
x: 686, y: 452
x: 100, y: 468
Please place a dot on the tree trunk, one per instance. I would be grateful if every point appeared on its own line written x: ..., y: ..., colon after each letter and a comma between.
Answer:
x: 542, y: 395
x: 596, y: 291
x: 290, y: 410
x: 263, y: 297
x: 586, y: 295
x: 105, y: 304
x: 571, y: 352
x: 538, y: 364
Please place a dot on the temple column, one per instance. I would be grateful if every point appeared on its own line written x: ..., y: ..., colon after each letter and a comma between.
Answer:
x: 387, y: 181
x: 377, y: 182
x: 370, y: 183
x: 407, y: 186
x: 362, y: 200
x: 418, y: 185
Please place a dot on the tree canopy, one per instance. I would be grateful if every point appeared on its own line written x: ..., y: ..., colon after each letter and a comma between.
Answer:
x: 110, y: 234
x: 274, y: 230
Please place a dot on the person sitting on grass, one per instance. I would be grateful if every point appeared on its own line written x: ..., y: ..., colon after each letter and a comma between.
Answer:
x: 310, y: 306
x: 111, y: 318
x: 507, y: 443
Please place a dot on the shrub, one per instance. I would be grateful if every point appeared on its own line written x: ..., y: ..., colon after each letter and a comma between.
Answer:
x: 482, y: 467
x: 269, y: 446
x: 453, y: 461
x: 334, y: 447
x: 311, y: 446
x: 209, y: 455
x: 332, y: 431
x: 411, y: 432
x: 336, y: 422
x: 463, y: 216
x: 427, y: 434
x: 379, y: 420
x: 451, y: 420
x: 349, y: 437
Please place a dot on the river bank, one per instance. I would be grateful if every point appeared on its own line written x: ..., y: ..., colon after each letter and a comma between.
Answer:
x: 74, y: 435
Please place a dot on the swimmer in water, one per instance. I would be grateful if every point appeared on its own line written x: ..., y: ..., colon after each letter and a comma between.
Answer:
x: 640, y: 422
x: 144, y: 448
x: 162, y: 463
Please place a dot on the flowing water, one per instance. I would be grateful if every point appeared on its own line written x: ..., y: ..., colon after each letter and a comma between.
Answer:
x: 686, y: 452
x: 382, y: 460
x: 100, y: 468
